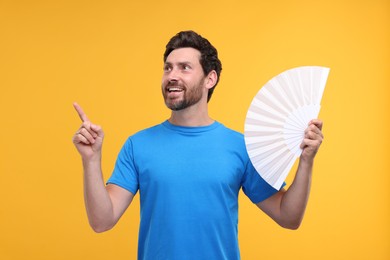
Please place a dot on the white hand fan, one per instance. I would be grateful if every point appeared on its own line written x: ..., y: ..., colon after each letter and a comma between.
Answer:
x: 277, y: 118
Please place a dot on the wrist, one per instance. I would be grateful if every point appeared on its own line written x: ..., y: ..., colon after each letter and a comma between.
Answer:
x: 306, y: 163
x: 92, y: 159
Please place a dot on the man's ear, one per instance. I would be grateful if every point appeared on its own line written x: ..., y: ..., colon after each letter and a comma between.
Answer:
x: 211, y: 79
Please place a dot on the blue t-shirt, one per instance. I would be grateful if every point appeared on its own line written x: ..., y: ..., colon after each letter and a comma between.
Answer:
x: 189, y: 180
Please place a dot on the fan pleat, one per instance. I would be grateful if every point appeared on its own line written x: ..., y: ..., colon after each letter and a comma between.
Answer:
x: 256, y: 144
x: 274, y: 166
x: 263, y: 109
x: 269, y: 149
x: 255, y: 119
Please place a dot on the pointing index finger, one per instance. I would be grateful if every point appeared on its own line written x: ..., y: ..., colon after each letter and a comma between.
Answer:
x: 80, y: 112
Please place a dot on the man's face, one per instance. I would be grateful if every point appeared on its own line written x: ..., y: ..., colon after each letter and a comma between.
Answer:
x: 183, y: 79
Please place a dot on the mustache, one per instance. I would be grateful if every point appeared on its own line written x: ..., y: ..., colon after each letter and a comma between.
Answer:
x: 175, y: 83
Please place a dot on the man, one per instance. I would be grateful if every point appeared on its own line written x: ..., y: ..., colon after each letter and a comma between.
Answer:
x: 188, y: 169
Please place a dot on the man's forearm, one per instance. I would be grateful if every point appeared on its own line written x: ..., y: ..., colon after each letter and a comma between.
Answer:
x: 295, y: 199
x: 97, y: 200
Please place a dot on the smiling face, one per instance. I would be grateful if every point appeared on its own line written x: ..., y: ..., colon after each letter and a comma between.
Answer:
x: 183, y: 81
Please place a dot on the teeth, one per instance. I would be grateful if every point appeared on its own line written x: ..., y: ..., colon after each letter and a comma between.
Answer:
x: 174, y: 89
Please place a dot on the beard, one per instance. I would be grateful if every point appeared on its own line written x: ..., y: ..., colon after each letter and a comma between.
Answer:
x: 190, y: 96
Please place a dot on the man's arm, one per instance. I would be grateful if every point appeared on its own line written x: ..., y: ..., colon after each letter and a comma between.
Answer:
x: 287, y: 208
x: 104, y: 204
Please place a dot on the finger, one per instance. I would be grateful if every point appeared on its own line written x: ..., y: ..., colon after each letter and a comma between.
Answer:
x: 317, y: 122
x: 80, y: 139
x: 313, y: 136
x: 97, y: 130
x: 80, y: 112
x: 310, y: 143
x: 85, y: 133
x: 88, y: 126
x: 313, y: 129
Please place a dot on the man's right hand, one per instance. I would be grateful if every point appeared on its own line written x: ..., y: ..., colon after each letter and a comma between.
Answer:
x: 104, y: 204
x: 89, y: 137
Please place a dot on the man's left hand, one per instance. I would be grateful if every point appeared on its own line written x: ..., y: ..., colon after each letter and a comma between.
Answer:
x: 312, y: 140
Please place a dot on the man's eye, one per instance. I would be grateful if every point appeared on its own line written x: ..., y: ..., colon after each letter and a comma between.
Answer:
x: 167, y: 68
x: 186, y: 67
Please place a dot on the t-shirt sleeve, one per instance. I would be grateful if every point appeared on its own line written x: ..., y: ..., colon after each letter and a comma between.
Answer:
x: 125, y: 173
x: 254, y: 186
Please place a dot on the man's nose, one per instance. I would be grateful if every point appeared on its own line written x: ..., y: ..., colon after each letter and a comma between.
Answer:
x: 173, y: 75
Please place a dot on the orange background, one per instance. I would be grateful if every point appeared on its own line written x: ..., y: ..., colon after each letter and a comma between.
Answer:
x: 107, y: 55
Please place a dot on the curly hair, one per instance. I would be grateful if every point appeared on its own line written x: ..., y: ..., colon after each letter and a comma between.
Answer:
x: 209, y: 55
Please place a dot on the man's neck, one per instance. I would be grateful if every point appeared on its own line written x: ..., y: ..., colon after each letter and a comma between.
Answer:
x: 191, y: 116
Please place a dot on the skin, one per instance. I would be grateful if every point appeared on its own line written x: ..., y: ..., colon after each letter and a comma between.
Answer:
x: 184, y: 87
x: 183, y: 68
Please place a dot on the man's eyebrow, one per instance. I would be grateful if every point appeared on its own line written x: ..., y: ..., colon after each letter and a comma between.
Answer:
x: 180, y: 63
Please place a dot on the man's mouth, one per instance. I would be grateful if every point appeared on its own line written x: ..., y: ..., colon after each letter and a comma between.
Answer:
x: 174, y: 89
